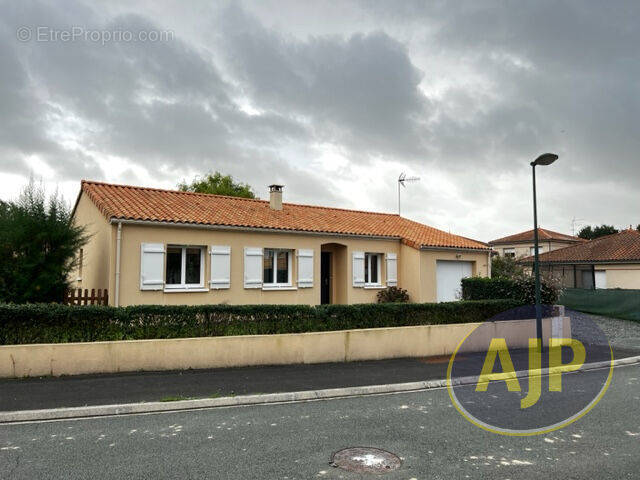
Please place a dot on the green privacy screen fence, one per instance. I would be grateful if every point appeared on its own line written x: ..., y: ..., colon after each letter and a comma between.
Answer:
x: 608, y: 302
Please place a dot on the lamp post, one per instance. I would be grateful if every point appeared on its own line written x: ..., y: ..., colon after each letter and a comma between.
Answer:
x: 543, y: 160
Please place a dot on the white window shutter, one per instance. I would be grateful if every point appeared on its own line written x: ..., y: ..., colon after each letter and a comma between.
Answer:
x: 305, y: 268
x: 358, y: 269
x: 392, y: 269
x: 151, y: 266
x: 252, y: 267
x: 220, y: 266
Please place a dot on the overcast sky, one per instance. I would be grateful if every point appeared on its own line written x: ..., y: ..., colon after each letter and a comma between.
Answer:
x: 335, y: 100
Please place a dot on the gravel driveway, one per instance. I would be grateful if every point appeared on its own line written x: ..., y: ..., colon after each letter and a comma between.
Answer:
x: 621, y: 333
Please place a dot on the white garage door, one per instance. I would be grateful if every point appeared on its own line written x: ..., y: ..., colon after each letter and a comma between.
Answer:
x: 448, y: 278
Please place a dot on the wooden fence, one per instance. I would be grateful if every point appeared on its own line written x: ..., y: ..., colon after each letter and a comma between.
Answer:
x: 87, y: 297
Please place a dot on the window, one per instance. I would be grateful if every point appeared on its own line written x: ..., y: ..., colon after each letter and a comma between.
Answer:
x: 532, y: 250
x: 276, y: 270
x: 372, y: 268
x: 185, y: 267
x: 509, y: 252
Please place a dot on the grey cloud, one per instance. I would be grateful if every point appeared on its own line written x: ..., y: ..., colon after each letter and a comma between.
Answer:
x: 361, y: 90
x: 514, y: 80
x: 158, y: 103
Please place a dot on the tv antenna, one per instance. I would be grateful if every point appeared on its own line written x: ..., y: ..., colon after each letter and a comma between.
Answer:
x: 575, y: 221
x: 401, y: 181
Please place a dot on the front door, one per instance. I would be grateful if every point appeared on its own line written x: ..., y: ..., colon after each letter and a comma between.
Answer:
x: 325, y: 277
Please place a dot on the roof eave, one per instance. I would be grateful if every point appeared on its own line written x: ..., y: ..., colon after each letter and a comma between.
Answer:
x: 158, y: 223
x: 582, y: 262
x: 470, y: 249
x: 513, y: 242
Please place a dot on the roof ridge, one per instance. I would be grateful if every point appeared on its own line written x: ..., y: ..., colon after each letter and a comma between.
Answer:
x: 167, y: 190
x: 552, y: 235
x: 181, y: 192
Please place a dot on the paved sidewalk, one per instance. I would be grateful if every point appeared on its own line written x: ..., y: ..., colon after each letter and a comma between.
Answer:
x: 106, y: 389
x: 109, y: 389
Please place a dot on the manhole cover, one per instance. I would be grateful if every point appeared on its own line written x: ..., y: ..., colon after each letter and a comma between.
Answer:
x: 365, y: 460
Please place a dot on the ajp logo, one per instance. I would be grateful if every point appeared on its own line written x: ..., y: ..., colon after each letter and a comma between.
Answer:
x: 502, y: 381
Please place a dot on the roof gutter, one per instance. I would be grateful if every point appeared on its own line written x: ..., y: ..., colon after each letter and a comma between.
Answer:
x: 158, y: 223
x: 457, y: 249
x: 582, y: 262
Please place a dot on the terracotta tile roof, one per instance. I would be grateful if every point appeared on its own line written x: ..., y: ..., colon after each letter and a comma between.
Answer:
x: 152, y: 204
x: 618, y: 247
x: 543, y: 235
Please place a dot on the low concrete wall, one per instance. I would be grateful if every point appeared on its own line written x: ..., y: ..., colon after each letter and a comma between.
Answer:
x: 212, y: 352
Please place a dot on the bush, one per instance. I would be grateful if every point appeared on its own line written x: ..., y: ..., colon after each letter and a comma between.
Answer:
x: 505, y: 267
x: 393, y: 295
x: 52, y: 323
x: 521, y: 289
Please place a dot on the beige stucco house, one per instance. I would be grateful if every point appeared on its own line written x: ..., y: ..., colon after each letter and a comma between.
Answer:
x: 521, y: 244
x: 612, y: 261
x: 152, y: 246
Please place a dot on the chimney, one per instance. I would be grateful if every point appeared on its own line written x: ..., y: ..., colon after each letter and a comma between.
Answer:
x: 275, y: 196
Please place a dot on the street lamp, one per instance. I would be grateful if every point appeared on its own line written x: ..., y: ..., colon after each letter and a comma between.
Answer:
x: 543, y: 160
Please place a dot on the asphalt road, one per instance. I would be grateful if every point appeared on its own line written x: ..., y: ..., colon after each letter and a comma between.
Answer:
x: 295, y: 441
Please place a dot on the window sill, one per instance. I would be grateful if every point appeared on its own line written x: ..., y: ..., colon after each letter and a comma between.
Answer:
x: 374, y: 286
x: 185, y: 290
x: 277, y: 287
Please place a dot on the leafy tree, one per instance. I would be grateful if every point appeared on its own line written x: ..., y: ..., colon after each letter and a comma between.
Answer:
x: 590, y: 233
x: 38, y: 247
x: 638, y: 227
x: 505, y: 267
x: 218, y: 184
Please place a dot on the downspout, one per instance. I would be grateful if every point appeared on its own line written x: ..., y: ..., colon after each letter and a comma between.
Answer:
x: 489, y: 264
x: 118, y: 247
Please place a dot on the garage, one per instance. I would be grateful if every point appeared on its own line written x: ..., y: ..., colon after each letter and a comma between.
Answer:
x: 448, y: 278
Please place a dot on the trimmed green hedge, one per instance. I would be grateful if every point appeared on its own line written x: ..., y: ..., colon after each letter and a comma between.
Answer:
x: 52, y: 323
x: 521, y: 289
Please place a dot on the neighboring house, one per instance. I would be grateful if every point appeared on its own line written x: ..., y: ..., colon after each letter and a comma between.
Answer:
x: 612, y: 261
x: 522, y: 244
x: 152, y: 246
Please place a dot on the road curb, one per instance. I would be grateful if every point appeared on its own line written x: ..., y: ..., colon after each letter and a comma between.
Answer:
x: 261, y: 399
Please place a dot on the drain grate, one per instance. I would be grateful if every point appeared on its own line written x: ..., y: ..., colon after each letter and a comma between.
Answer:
x: 365, y: 460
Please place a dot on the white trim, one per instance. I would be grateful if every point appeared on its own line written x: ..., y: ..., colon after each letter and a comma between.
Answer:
x: 274, y: 285
x: 187, y: 287
x: 367, y: 273
x: 183, y: 290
